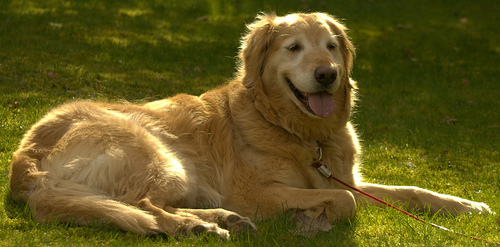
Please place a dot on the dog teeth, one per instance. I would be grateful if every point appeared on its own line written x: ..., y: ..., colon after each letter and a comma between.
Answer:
x: 300, y: 95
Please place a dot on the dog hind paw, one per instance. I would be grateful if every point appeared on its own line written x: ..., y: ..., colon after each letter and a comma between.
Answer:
x: 208, y: 231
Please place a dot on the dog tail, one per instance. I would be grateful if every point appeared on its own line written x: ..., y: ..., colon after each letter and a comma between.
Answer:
x: 57, y: 200
x: 66, y: 201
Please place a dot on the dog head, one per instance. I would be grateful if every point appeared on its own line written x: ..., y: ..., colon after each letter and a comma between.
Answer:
x: 297, y: 68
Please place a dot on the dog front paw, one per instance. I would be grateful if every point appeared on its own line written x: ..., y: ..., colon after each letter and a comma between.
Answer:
x: 237, y: 224
x: 479, y: 208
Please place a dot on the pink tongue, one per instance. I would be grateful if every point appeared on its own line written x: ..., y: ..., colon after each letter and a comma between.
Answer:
x: 322, y: 104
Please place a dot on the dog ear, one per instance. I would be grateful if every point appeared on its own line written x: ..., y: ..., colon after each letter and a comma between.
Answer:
x: 347, y: 48
x: 254, y: 48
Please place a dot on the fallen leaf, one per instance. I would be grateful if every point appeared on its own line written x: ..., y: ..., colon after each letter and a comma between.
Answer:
x: 465, y: 82
x: 57, y: 25
x: 405, y: 26
x: 449, y: 120
x: 52, y: 75
x: 410, y: 164
x: 308, y: 227
x: 407, y: 53
x: 14, y: 105
x: 202, y: 18
x: 498, y: 221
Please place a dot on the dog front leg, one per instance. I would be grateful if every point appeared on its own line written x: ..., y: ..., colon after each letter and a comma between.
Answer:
x: 420, y: 199
x: 338, y: 204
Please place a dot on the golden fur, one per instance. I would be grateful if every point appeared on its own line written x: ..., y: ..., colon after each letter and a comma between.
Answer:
x: 244, y: 149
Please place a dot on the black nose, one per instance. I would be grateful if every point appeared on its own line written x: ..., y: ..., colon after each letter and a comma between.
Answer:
x: 325, y: 75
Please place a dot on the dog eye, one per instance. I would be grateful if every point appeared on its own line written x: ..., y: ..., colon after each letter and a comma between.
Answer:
x: 293, y: 47
x: 331, y: 46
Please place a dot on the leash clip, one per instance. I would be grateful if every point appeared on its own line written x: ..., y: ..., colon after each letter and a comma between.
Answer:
x: 319, y: 150
x: 323, y: 169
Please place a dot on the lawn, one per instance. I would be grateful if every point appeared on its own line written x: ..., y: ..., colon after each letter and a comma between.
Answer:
x: 428, y: 115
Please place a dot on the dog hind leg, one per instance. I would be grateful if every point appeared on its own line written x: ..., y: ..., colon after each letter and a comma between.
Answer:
x: 65, y: 201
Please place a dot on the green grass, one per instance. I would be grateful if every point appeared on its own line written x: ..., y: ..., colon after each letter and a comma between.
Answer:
x: 428, y: 115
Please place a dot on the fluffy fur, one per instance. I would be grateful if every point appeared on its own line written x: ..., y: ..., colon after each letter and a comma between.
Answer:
x: 244, y: 149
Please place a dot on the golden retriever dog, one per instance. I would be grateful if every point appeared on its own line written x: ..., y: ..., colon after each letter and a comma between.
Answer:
x: 213, y: 163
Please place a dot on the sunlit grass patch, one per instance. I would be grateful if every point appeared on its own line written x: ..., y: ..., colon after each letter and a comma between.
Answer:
x: 427, y: 115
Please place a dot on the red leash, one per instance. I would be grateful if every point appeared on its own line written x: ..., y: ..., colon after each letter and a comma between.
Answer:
x: 324, y: 170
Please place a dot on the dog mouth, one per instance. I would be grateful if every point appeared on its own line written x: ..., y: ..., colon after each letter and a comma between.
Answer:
x: 320, y: 103
x: 301, y: 96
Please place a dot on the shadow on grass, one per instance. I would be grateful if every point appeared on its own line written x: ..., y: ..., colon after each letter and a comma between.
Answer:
x: 133, y: 49
x: 274, y: 230
x: 18, y: 213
